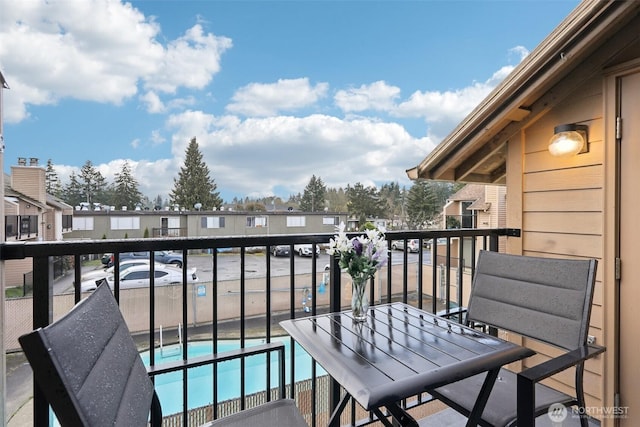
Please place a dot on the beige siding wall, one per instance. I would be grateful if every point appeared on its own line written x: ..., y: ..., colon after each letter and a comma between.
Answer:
x: 562, y: 210
x: 14, y: 271
x: 30, y: 181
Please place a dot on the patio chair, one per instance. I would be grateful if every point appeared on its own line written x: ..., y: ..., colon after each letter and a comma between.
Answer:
x: 89, y: 370
x: 545, y: 299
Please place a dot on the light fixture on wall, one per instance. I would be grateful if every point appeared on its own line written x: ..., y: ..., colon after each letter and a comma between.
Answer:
x: 569, y: 139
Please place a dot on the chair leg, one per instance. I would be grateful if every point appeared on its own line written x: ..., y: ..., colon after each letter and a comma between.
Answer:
x: 584, y: 420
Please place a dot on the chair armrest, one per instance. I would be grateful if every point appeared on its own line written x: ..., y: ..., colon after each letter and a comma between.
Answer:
x: 452, y: 312
x: 557, y: 364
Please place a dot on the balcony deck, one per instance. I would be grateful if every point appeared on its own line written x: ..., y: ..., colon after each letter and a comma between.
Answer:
x: 443, y: 270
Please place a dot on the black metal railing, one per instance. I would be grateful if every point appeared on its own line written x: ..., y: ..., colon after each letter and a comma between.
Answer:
x: 250, y: 304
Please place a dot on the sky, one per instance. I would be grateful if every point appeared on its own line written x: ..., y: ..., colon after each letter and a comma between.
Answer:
x: 274, y: 92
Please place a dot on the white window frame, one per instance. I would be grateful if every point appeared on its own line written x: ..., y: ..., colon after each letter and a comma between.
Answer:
x: 125, y: 223
x: 296, y: 221
x: 213, y: 221
x: 81, y: 224
x: 330, y: 220
x: 256, y: 221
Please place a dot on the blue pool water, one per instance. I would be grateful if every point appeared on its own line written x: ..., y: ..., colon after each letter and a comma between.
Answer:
x: 200, y: 379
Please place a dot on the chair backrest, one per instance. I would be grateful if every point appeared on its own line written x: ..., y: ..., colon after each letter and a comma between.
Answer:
x: 547, y: 299
x: 88, y: 366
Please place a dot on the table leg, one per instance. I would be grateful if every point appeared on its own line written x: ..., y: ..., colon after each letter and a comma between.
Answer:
x: 483, y: 397
x: 334, y: 421
x: 401, y: 416
x: 383, y: 419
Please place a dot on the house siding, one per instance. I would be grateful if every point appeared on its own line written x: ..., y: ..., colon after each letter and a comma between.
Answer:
x: 30, y: 181
x: 562, y: 212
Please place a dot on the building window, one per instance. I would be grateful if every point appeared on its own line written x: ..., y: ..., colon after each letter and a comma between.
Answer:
x: 83, y: 223
x: 67, y: 222
x: 125, y: 223
x: 256, y: 221
x: 467, y: 219
x: 11, y: 226
x: 331, y: 220
x: 212, y: 222
x: 296, y: 221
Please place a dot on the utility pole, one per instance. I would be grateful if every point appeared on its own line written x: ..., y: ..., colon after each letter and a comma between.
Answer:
x: 3, y: 355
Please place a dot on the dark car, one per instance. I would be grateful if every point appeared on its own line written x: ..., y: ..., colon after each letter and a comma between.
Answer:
x: 107, y: 259
x: 280, y: 250
x: 165, y: 257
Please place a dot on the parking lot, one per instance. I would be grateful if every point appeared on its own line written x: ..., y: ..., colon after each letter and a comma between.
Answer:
x: 255, y: 265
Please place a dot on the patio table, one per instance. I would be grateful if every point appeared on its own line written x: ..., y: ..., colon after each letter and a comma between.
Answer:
x: 399, y: 352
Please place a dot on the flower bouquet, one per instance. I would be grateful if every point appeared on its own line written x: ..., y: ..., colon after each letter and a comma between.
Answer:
x: 360, y: 257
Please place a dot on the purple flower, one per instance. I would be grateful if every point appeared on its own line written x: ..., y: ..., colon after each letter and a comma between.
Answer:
x: 357, y: 247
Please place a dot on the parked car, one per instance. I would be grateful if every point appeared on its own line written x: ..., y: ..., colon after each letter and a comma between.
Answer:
x: 280, y: 250
x: 138, y: 277
x: 412, y: 245
x: 106, y: 259
x: 306, y: 249
x: 101, y: 273
x: 164, y: 257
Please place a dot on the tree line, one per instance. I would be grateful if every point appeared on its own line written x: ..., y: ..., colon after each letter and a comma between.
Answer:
x: 418, y: 207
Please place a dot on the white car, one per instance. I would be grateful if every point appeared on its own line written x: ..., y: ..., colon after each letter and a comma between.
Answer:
x: 138, y: 277
x: 412, y: 245
x: 101, y: 273
x: 306, y: 249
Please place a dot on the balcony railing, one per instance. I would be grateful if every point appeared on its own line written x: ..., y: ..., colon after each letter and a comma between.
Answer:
x: 243, y: 293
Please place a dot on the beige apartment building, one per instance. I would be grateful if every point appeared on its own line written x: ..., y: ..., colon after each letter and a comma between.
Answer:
x: 31, y: 214
x: 120, y: 224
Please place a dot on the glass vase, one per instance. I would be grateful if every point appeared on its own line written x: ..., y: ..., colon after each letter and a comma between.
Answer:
x: 359, y: 299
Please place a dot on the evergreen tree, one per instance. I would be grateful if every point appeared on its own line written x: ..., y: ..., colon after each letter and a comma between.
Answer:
x: 364, y: 202
x: 313, y: 198
x: 337, y: 200
x: 425, y: 201
x: 72, y: 193
x: 393, y: 198
x: 194, y: 184
x: 126, y: 189
x: 93, y: 183
x: 421, y: 205
x: 51, y: 180
x: 158, y: 203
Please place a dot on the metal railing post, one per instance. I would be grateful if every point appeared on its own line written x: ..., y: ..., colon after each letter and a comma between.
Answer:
x: 335, y: 305
x: 42, y: 316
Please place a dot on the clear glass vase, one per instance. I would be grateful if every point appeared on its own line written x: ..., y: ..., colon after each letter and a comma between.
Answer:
x: 359, y: 299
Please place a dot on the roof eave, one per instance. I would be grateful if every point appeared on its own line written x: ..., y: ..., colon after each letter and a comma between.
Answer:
x: 504, y: 105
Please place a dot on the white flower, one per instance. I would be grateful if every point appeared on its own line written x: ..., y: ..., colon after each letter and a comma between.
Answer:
x: 360, y: 256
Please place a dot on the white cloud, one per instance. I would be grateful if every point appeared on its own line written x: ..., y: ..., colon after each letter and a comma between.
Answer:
x: 267, y: 99
x: 152, y: 102
x: 157, y: 138
x: 375, y: 96
x: 97, y: 50
x: 190, y: 61
x: 262, y: 153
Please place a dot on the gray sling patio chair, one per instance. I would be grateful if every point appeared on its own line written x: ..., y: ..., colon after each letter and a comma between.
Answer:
x: 546, y: 299
x: 89, y: 370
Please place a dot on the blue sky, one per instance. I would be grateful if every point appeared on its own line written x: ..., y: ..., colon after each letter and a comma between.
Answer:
x: 273, y: 91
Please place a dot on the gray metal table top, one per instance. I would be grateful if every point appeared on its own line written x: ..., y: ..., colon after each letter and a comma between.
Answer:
x: 398, y: 352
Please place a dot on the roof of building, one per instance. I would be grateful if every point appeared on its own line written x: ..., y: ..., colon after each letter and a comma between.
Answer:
x: 472, y: 193
x: 476, y: 150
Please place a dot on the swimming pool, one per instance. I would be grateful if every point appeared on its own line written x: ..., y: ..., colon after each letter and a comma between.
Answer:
x: 200, y: 379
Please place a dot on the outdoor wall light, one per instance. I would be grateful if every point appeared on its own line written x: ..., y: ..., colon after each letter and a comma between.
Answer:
x: 569, y: 139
